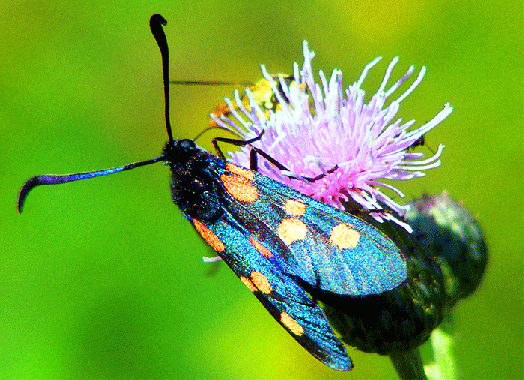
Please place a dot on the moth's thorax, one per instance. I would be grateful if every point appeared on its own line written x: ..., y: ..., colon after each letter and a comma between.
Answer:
x: 193, y: 187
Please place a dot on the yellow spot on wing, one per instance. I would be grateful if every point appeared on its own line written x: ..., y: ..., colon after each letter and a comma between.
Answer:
x: 261, y: 282
x: 292, y: 325
x: 247, y: 174
x: 260, y: 248
x: 240, y: 188
x: 295, y: 207
x: 343, y: 236
x: 209, y: 236
x: 248, y: 283
x: 291, y: 229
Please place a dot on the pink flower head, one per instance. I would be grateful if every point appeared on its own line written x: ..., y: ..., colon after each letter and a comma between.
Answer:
x: 321, y: 126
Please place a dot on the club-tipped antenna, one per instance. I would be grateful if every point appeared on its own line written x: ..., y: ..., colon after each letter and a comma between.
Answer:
x: 156, y: 23
x: 58, y: 179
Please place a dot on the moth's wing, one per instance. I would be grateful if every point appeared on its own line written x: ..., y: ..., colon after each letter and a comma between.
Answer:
x: 329, y: 249
x: 285, y: 300
x: 340, y: 253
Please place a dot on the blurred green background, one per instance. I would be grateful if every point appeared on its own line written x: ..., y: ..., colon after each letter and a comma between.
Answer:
x: 105, y: 279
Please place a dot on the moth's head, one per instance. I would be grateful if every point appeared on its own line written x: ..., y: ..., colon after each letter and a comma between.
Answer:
x: 180, y: 150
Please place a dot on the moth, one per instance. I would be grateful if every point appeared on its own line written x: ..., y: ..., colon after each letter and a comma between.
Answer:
x: 288, y: 249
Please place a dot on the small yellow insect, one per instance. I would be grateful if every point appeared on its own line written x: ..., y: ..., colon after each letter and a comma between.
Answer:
x: 263, y: 95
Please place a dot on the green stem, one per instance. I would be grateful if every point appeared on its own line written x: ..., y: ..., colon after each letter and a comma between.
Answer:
x: 443, y: 344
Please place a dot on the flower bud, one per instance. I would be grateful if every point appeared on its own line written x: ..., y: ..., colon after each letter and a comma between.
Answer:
x: 452, y: 235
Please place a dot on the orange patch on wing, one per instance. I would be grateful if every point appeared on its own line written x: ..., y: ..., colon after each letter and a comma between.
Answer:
x: 291, y: 229
x: 295, y: 207
x: 247, y: 174
x: 248, y: 283
x: 260, y: 248
x: 240, y: 188
x: 292, y: 325
x: 209, y: 236
x: 261, y: 282
x: 343, y: 236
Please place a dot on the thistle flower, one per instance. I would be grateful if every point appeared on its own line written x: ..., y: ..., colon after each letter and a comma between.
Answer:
x: 322, y: 126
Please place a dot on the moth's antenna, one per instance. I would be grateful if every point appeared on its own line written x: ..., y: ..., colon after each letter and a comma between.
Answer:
x: 58, y: 179
x: 155, y: 23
